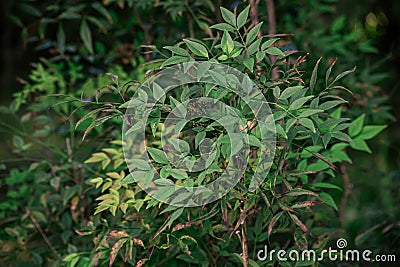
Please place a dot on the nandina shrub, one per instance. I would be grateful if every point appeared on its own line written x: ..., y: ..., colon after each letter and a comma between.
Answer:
x: 292, y: 206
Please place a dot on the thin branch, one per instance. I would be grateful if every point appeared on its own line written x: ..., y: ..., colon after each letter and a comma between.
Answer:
x: 40, y: 230
x: 347, y: 191
x: 272, y: 32
x: 245, y: 251
x: 254, y: 11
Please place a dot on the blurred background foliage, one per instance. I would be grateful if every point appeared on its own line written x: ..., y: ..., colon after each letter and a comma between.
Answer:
x: 65, y: 47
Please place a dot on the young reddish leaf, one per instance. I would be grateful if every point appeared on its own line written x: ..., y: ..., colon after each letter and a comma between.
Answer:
x: 302, y: 226
x: 273, y: 221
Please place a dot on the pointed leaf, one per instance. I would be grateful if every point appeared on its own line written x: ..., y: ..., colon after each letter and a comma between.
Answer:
x: 86, y: 36
x: 197, y: 48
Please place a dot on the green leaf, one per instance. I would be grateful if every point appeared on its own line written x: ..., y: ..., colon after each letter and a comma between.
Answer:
x: 223, y: 27
x: 299, y: 192
x: 314, y: 75
x: 361, y: 145
x: 222, y: 57
x: 249, y: 63
x: 307, y: 123
x: 18, y: 142
x: 252, y: 34
x: 356, y: 126
x: 178, y: 173
x: 310, y: 112
x: 254, y: 47
x: 371, y: 131
x: 242, y: 17
x: 302, y: 226
x: 327, y: 199
x: 268, y: 43
x: 174, y: 60
x: 326, y: 185
x: 86, y: 36
x: 273, y: 221
x: 158, y: 155
x: 199, y: 137
x: 342, y: 75
x: 288, y: 92
x: 274, y: 51
x: 298, y: 103
x: 177, y: 50
x: 331, y: 104
x: 140, y: 164
x: 61, y: 38
x: 342, y: 137
x: 197, y: 48
x: 227, y: 44
x: 338, y: 24
x: 228, y: 16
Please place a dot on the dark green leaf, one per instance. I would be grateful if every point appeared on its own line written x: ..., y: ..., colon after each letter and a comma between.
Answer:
x: 86, y: 36
x: 197, y: 48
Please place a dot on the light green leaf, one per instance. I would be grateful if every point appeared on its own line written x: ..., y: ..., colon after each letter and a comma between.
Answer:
x: 342, y: 137
x: 178, y: 173
x: 356, y: 126
x: 298, y: 103
x: 360, y: 144
x: 227, y: 44
x: 242, y: 17
x: 174, y: 60
x: 288, y: 92
x: 177, y: 50
x: 310, y: 112
x: 307, y: 123
x: 254, y: 47
x: 252, y: 34
x: 139, y: 163
x: 268, y: 43
x: 249, y: 63
x: 274, y: 51
x: 223, y: 27
x: 371, y: 131
x: 158, y: 155
x: 228, y: 16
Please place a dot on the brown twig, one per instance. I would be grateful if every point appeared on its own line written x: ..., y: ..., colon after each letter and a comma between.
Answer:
x: 245, y: 251
x: 254, y: 11
x: 347, y: 191
x: 272, y: 32
x: 40, y: 230
x: 254, y: 21
x: 271, y: 17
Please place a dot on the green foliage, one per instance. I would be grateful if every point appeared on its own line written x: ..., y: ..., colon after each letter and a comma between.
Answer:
x: 312, y: 136
x: 69, y: 197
